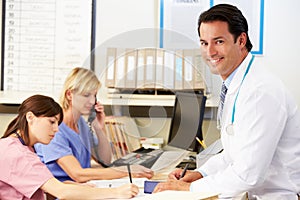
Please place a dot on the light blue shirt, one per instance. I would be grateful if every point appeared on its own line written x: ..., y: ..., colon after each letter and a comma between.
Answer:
x: 66, y: 142
x: 229, y: 78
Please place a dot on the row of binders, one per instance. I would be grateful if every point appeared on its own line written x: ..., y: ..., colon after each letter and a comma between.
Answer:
x: 154, y: 68
x: 120, y: 141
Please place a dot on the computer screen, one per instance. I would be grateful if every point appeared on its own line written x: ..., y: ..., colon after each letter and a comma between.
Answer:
x: 187, y: 120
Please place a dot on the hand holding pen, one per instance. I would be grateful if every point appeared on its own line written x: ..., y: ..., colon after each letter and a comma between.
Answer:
x: 187, y: 176
x: 184, y: 171
x: 129, y: 173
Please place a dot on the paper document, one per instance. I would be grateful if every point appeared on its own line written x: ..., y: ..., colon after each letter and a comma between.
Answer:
x: 118, y: 182
x: 168, y: 158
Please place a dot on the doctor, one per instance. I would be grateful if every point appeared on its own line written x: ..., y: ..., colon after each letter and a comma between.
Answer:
x: 260, y: 122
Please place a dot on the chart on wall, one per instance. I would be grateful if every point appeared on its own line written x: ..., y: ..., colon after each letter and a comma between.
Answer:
x: 181, y: 18
x: 43, y: 41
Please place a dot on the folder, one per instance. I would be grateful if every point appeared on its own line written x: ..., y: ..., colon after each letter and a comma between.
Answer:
x: 199, y: 71
x: 178, y: 69
x: 108, y: 134
x: 113, y: 136
x: 150, y: 59
x: 140, y: 68
x: 130, y: 63
x: 188, y: 69
x: 120, y: 139
x: 168, y: 79
x: 110, y: 67
x: 120, y: 74
x: 159, y: 68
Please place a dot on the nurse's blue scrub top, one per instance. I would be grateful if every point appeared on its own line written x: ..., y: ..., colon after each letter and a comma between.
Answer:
x: 66, y: 142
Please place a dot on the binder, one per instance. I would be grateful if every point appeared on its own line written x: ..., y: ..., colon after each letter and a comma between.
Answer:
x: 116, y: 150
x: 188, y: 69
x: 120, y: 139
x: 130, y: 63
x: 159, y: 68
x: 140, y: 68
x: 110, y: 67
x: 117, y: 137
x: 108, y: 134
x: 120, y: 74
x: 178, y: 69
x: 149, y: 81
x: 168, y: 78
x: 199, y: 71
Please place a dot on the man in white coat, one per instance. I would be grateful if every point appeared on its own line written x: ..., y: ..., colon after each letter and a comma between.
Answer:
x: 260, y: 122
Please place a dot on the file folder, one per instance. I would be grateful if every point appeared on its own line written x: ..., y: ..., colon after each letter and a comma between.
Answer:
x: 120, y: 74
x: 130, y: 63
x: 178, y: 70
x: 159, y: 68
x: 150, y: 55
x: 110, y: 67
x: 199, y: 71
x: 168, y: 79
x: 140, y: 74
x: 188, y: 69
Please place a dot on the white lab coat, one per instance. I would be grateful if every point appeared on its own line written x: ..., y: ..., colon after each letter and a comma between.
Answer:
x: 262, y: 154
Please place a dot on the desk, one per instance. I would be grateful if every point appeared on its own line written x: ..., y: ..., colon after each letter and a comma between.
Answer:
x: 165, y: 195
x: 161, y: 175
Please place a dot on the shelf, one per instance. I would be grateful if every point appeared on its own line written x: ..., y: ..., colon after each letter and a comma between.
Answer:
x: 16, y: 98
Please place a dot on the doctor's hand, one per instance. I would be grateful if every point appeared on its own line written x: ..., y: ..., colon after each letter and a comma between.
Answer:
x: 189, y: 177
x: 172, y: 185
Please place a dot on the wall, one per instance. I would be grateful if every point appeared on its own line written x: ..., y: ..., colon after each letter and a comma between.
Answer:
x: 281, y: 44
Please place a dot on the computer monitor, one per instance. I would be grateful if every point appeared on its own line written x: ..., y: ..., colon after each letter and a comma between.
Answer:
x: 187, y: 120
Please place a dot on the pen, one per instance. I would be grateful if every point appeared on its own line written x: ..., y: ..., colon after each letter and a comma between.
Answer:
x: 129, y: 173
x: 201, y: 143
x: 184, y: 170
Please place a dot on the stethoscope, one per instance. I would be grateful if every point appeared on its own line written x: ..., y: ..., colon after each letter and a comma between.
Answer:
x: 229, y: 127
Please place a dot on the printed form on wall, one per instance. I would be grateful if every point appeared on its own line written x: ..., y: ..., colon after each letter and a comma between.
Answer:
x: 43, y: 41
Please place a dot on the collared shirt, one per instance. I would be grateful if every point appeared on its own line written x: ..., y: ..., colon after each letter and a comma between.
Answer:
x: 229, y: 78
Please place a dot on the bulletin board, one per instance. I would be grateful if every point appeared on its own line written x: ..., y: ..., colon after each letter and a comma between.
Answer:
x: 181, y: 17
x: 43, y: 40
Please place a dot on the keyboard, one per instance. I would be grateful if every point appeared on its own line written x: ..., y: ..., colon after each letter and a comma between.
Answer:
x: 144, y: 159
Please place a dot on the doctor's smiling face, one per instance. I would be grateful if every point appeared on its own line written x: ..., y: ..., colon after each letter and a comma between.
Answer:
x: 220, y: 50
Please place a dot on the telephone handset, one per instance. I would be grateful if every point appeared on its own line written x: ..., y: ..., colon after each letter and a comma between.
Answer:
x: 92, y: 114
x: 91, y: 118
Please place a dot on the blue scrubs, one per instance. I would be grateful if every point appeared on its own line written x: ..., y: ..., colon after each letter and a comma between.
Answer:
x: 66, y: 142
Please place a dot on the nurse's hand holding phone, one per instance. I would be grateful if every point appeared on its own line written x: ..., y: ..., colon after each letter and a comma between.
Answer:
x: 97, y: 116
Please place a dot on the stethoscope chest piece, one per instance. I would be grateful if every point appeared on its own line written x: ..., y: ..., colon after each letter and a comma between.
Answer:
x: 229, y: 129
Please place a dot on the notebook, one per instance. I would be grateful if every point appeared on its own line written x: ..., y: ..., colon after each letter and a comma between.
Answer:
x: 186, y: 124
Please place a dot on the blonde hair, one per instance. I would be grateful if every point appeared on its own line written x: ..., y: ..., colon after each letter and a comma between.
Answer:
x: 80, y: 80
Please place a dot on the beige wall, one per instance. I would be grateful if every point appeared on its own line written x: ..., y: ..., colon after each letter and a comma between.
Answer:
x: 5, y: 119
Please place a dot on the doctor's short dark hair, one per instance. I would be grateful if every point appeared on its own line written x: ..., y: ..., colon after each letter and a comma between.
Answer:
x: 237, y: 23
